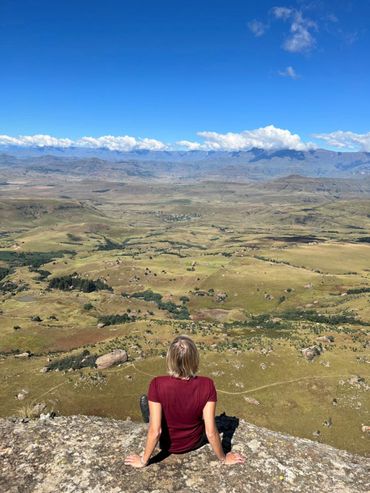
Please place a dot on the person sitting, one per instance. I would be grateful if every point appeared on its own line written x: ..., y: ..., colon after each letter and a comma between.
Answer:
x: 181, y: 408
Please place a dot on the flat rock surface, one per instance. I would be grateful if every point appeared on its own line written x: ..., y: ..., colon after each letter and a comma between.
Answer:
x: 86, y: 454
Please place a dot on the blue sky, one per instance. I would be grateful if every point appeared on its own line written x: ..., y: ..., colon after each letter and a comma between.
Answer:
x: 241, y: 72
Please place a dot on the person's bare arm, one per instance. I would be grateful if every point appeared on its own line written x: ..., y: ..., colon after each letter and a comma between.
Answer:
x: 213, y: 436
x: 211, y: 430
x: 154, y: 433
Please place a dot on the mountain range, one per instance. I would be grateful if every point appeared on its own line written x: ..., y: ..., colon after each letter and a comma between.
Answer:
x: 254, y: 164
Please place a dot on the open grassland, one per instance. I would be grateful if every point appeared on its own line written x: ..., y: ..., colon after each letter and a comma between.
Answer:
x: 253, y: 274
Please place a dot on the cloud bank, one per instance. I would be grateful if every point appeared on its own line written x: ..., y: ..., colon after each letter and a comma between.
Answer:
x: 35, y: 141
x: 269, y: 138
x: 120, y: 143
x: 346, y: 140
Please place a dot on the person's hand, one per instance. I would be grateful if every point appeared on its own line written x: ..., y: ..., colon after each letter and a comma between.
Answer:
x: 134, y: 461
x: 234, y: 458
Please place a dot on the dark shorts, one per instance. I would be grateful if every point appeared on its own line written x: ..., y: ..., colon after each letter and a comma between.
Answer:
x: 202, y: 441
x: 163, y: 444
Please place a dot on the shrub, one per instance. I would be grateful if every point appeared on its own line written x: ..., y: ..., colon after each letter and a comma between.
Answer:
x: 73, y: 237
x: 4, y: 272
x: 116, y: 319
x: 178, y: 312
x: 358, y: 290
x: 74, y: 281
x: 109, y: 245
x: 33, y: 259
x: 74, y: 362
x: 312, y: 316
x: 43, y: 274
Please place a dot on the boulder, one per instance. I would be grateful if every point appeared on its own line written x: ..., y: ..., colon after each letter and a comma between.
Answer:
x: 22, y: 394
x: 327, y: 339
x: 26, y: 354
x: 311, y: 352
x: 38, y: 409
x: 251, y: 400
x: 356, y: 381
x: 221, y: 296
x: 100, y: 325
x: 200, y: 292
x: 110, y: 359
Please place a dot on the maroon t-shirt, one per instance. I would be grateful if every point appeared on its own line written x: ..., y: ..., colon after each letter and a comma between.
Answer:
x: 182, y: 407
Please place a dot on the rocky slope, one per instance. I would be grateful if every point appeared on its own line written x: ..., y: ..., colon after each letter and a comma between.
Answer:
x: 86, y: 454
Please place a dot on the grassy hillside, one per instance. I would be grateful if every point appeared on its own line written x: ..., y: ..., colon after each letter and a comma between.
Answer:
x: 255, y: 273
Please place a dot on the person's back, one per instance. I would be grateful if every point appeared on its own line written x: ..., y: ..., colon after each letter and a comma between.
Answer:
x: 180, y: 408
x: 182, y: 401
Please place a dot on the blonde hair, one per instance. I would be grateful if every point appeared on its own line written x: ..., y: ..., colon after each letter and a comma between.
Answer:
x: 182, y: 358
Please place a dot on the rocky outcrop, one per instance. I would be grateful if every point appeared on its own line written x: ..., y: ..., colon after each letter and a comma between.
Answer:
x: 86, y: 454
x: 110, y: 359
x: 311, y: 352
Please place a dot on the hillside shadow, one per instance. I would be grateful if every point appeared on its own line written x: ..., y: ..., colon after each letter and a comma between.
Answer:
x: 226, y: 426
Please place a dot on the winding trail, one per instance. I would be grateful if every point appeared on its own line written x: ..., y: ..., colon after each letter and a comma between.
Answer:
x: 274, y: 384
x: 37, y: 399
x: 282, y: 382
x: 248, y: 391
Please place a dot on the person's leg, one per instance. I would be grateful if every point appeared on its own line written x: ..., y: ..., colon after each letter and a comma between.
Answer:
x: 226, y: 426
x: 144, y: 407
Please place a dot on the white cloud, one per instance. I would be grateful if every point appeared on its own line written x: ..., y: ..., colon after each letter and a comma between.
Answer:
x: 282, y: 12
x: 269, y: 138
x: 35, y: 141
x: 257, y: 28
x: 289, y: 72
x: 189, y: 145
x: 123, y: 143
x: 332, y: 18
x: 120, y: 143
x: 152, y: 144
x: 300, y: 39
x: 346, y: 140
x: 6, y: 140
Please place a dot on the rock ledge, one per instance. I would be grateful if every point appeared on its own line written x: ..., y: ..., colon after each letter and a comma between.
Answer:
x: 85, y: 454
